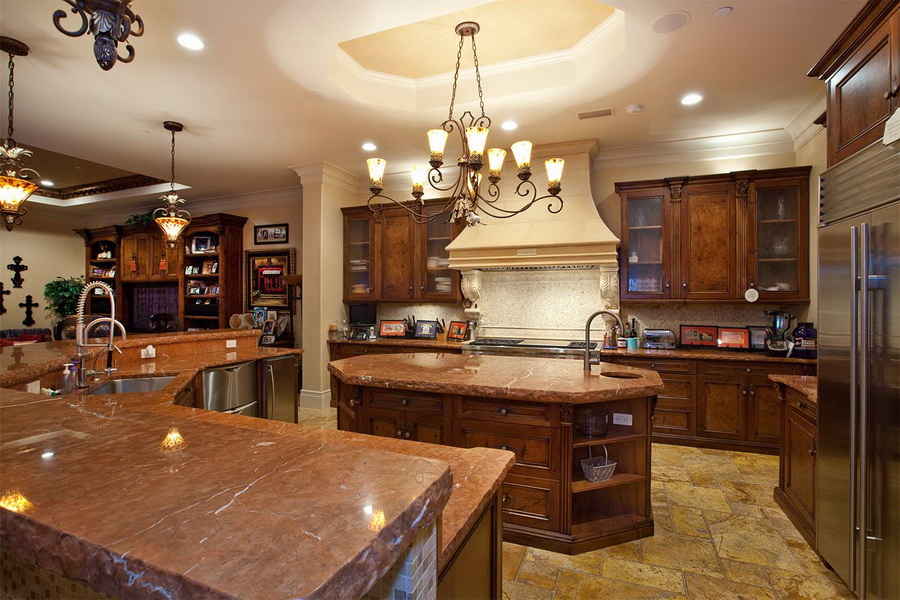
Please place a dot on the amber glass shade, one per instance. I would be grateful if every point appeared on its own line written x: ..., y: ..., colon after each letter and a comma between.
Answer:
x: 476, y: 137
x: 418, y: 175
x: 376, y: 172
x: 172, y: 226
x: 522, y: 152
x: 554, y: 168
x: 496, y: 156
x: 13, y: 192
x: 437, y: 141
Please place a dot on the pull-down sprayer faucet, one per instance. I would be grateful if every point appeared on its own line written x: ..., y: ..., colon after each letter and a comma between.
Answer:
x: 588, y: 361
x: 81, y: 342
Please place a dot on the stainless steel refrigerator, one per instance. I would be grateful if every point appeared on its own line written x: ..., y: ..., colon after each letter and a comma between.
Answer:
x: 280, y: 388
x: 857, y: 495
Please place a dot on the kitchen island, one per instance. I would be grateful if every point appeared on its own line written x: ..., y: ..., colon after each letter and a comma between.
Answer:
x: 135, y: 496
x: 536, y: 408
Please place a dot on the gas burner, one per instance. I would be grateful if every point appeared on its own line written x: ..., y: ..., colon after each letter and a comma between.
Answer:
x: 497, y: 342
x: 580, y: 345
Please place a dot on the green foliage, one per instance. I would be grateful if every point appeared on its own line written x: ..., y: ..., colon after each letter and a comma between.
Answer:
x: 141, y: 218
x: 62, y: 295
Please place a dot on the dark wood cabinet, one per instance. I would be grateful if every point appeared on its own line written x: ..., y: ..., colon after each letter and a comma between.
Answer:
x: 389, y: 257
x: 711, y: 238
x: 797, y: 476
x: 146, y: 257
x: 763, y: 411
x: 409, y: 416
x: 862, y: 74
x: 722, y: 405
x: 103, y: 241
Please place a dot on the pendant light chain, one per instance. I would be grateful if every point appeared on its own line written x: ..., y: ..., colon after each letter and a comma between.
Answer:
x: 478, y: 76
x: 12, y: 66
x: 455, y: 78
x: 172, y: 181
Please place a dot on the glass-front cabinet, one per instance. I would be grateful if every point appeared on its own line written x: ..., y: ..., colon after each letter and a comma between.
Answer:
x: 359, y: 237
x: 645, y: 262
x: 437, y: 280
x: 780, y: 230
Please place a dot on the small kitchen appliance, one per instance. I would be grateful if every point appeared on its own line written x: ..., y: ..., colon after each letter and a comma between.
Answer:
x: 659, y: 339
x: 776, y: 338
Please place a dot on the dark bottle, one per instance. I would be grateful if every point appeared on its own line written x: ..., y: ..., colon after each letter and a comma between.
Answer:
x: 804, y: 341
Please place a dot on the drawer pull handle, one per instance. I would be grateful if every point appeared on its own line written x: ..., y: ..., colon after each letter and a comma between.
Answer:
x: 406, y: 435
x: 404, y: 401
x: 652, y: 365
x: 748, y: 369
x: 399, y: 433
x: 510, y: 448
x: 752, y: 390
x: 744, y: 391
x: 804, y: 405
x: 508, y: 497
x: 505, y: 497
x: 354, y: 402
x: 506, y: 411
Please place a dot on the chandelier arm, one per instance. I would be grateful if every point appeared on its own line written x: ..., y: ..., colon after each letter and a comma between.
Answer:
x: 60, y: 14
x: 418, y: 217
x: 136, y: 20
x: 129, y: 57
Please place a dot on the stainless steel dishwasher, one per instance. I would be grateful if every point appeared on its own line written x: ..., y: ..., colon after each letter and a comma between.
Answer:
x: 231, y: 389
x: 280, y: 388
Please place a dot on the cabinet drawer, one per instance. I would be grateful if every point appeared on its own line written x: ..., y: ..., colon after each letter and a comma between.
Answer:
x: 738, y: 368
x: 678, y: 387
x: 501, y: 411
x: 673, y: 418
x: 536, y: 448
x: 408, y: 401
x: 662, y: 365
x: 802, y: 404
x: 530, y: 502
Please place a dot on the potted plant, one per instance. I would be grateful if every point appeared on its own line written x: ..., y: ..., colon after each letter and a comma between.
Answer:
x: 62, y: 295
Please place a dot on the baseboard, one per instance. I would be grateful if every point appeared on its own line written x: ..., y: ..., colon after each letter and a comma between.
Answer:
x: 315, y: 399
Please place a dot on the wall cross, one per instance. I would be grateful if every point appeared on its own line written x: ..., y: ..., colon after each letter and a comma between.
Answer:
x: 28, y: 305
x: 17, y: 279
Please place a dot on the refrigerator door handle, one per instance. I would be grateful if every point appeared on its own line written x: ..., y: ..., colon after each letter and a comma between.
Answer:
x: 854, y: 403
x: 863, y: 495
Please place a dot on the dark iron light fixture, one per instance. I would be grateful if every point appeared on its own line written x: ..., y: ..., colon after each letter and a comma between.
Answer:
x: 170, y: 218
x: 110, y: 22
x: 15, y: 187
x: 466, y: 200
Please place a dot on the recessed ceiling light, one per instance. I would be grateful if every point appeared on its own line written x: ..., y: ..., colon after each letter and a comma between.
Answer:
x: 724, y: 11
x: 46, y: 183
x: 190, y: 41
x: 509, y: 125
x: 369, y: 146
x: 47, y: 455
x: 144, y: 131
x: 671, y: 22
x: 634, y: 109
x: 691, y: 99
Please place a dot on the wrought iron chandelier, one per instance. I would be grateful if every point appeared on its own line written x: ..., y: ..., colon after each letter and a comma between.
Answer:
x: 15, y: 187
x: 466, y: 198
x: 170, y: 218
x: 110, y: 22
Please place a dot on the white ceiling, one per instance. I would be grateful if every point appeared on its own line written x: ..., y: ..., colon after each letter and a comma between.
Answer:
x: 260, y: 98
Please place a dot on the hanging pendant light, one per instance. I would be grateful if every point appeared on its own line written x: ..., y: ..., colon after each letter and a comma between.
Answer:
x: 15, y: 188
x: 170, y: 218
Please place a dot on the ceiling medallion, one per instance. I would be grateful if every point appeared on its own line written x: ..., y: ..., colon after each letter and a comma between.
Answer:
x: 110, y: 22
x: 467, y: 202
x: 15, y: 184
x: 170, y: 218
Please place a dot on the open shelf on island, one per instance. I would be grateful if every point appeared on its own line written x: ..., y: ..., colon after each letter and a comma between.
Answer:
x: 612, y: 437
x: 584, y: 485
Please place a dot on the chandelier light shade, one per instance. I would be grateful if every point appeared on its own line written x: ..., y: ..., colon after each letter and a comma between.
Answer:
x: 110, y: 22
x: 15, y: 179
x: 171, y: 218
x: 466, y: 199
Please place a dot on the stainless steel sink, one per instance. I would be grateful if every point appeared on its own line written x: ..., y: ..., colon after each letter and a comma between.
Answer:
x: 136, y: 384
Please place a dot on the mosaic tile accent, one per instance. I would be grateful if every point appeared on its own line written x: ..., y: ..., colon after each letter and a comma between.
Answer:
x: 414, y: 575
x: 21, y: 579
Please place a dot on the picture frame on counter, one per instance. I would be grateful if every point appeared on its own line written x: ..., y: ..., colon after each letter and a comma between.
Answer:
x: 457, y: 331
x: 264, y: 272
x: 270, y: 234
x: 269, y: 327
x: 757, y: 337
x: 698, y: 335
x: 267, y: 340
x: 392, y: 328
x: 259, y: 317
x: 426, y: 330
x: 736, y: 338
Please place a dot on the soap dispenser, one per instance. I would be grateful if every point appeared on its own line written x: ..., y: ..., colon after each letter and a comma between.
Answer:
x: 68, y: 379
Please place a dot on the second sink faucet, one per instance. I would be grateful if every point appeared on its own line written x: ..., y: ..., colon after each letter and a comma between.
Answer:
x: 81, y: 343
x: 588, y: 361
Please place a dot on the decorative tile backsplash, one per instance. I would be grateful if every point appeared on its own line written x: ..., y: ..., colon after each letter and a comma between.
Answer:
x: 664, y: 316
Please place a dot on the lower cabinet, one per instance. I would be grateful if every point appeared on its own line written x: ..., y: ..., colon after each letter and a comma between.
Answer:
x: 797, y: 478
x: 409, y: 416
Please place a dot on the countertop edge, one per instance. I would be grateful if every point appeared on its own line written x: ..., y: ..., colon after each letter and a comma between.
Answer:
x: 803, y: 384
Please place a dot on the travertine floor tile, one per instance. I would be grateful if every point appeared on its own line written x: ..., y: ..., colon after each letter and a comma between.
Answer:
x: 512, y: 558
x: 709, y: 588
x: 749, y: 493
x: 807, y: 587
x: 689, y: 521
x: 662, y: 578
x: 668, y: 473
x: 622, y: 590
x: 745, y: 573
x: 683, y: 494
x: 515, y: 590
x: 682, y: 552
x: 753, y: 541
x: 536, y: 570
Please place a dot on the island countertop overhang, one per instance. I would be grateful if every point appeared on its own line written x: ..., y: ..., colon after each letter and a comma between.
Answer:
x: 513, y: 378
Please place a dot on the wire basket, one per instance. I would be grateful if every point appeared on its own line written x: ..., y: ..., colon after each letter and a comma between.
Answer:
x: 598, y: 469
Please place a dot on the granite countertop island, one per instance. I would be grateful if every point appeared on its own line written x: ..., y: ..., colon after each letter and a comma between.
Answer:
x: 138, y: 497
x: 805, y: 384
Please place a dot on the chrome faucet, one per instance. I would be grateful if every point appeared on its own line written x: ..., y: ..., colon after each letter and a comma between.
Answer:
x: 81, y: 343
x: 588, y: 361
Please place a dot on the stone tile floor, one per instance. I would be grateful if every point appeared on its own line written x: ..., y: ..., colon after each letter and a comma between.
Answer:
x: 719, y: 536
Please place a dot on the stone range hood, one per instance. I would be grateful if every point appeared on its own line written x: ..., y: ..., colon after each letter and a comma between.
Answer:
x: 537, y: 238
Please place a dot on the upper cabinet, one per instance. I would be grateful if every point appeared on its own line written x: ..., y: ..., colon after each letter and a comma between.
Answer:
x: 713, y: 237
x: 862, y: 74
x: 389, y: 257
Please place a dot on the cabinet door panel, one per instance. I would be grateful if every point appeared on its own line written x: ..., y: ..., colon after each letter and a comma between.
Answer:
x: 722, y: 408
x: 397, y: 250
x: 708, y: 243
x: 673, y: 418
x: 800, y: 470
x: 531, y: 502
x: 432, y: 429
x: 383, y: 423
x: 359, y: 258
x: 536, y: 448
x: 764, y: 416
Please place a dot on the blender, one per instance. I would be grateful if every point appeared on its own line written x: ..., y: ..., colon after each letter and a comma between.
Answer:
x: 776, y: 334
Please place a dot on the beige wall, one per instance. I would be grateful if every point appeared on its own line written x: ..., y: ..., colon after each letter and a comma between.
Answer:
x: 814, y: 152
x: 49, y: 248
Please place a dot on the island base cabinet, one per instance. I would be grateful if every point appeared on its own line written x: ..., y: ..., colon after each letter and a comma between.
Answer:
x: 476, y: 570
x: 795, y: 493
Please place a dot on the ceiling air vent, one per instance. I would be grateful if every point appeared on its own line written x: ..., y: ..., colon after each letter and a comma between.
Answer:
x: 593, y: 114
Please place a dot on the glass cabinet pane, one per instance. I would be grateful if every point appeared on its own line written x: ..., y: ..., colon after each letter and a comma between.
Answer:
x: 438, y: 277
x: 359, y: 268
x: 645, y: 245
x: 777, y: 240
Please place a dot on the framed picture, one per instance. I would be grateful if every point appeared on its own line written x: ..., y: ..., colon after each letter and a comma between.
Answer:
x: 757, y: 337
x: 267, y: 340
x: 272, y: 314
x: 426, y: 330
x: 269, y: 327
x: 208, y: 266
x: 733, y: 337
x: 271, y: 234
x: 698, y: 335
x: 264, y: 271
x: 201, y: 244
x: 259, y: 317
x: 392, y: 329
x: 457, y: 331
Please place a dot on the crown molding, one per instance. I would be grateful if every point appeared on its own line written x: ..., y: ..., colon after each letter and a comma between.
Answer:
x: 802, y: 126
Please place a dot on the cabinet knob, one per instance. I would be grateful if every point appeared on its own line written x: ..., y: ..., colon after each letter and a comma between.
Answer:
x: 410, y: 288
x: 744, y: 391
x: 504, y: 498
x: 399, y: 433
x: 423, y: 288
x: 751, y: 285
x: 652, y: 365
x: 748, y: 369
x: 404, y: 401
x: 504, y: 411
x: 667, y: 284
x: 406, y: 435
x: 684, y: 285
x: 752, y: 390
x: 354, y: 402
x: 812, y: 451
x: 804, y: 405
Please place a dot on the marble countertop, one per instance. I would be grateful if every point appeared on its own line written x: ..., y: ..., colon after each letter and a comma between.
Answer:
x: 805, y: 384
x: 705, y: 354
x: 514, y: 378
x: 411, y: 342
x: 231, y: 504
